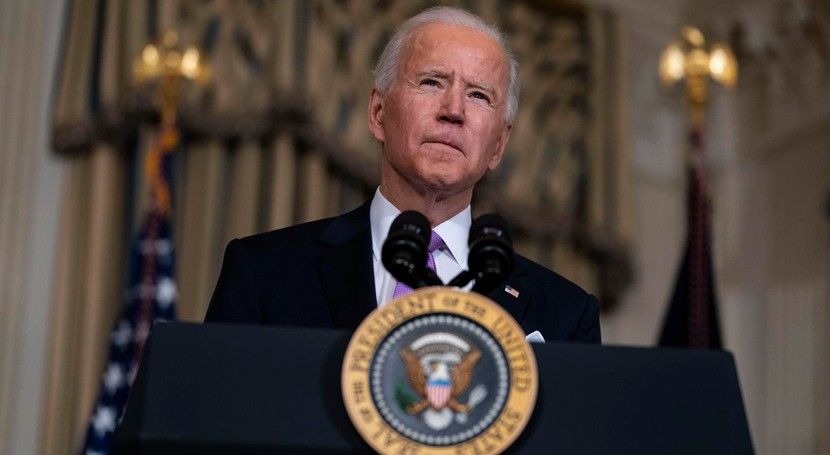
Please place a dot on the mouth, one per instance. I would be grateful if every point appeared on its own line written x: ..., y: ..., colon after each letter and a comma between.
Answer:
x: 448, y: 143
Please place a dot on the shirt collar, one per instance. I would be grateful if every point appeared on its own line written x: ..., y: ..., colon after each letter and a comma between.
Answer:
x: 454, y: 231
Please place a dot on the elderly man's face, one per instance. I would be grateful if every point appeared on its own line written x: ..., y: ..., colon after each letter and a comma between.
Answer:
x: 442, y: 123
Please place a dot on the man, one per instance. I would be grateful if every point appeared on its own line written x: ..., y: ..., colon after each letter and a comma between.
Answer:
x: 442, y: 108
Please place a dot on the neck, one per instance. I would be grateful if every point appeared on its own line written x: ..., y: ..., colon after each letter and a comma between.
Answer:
x: 436, y: 206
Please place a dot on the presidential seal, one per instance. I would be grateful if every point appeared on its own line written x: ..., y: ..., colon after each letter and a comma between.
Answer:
x: 439, y: 371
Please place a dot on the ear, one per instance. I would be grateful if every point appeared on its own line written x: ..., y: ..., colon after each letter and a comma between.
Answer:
x: 495, y: 160
x: 376, y: 115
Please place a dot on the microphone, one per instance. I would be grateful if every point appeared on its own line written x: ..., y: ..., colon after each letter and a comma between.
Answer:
x: 404, y: 252
x: 491, y: 258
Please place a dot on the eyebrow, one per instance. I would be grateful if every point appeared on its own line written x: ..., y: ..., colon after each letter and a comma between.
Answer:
x: 445, y: 75
x: 484, y: 87
x: 434, y: 73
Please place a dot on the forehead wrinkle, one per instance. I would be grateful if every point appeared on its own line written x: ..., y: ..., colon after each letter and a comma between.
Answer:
x: 422, y: 42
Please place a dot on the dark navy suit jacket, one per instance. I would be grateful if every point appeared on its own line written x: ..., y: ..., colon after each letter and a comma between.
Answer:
x: 320, y: 274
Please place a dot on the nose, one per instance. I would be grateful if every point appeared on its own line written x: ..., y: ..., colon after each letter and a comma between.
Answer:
x: 452, y: 106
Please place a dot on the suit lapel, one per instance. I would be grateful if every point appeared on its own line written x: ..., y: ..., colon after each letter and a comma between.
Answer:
x: 516, y: 306
x: 345, y: 269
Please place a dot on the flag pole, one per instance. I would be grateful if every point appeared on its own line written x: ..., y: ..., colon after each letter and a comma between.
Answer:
x: 691, y: 320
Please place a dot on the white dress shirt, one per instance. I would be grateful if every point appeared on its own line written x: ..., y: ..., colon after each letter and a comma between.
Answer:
x: 449, y: 261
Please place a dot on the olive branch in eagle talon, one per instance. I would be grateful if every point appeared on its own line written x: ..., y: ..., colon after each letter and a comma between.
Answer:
x: 460, y: 379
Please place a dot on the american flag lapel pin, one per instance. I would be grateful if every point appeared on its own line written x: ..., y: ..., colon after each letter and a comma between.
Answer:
x: 511, y: 291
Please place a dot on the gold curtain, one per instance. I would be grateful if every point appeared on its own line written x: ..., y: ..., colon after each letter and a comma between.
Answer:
x: 279, y: 137
x: 90, y: 247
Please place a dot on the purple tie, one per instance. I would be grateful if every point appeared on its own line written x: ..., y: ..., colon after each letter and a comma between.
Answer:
x: 435, y: 243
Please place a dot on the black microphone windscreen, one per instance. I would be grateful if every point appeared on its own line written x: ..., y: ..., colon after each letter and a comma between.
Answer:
x: 413, y: 222
x: 489, y: 224
x: 404, y: 252
x: 491, y: 258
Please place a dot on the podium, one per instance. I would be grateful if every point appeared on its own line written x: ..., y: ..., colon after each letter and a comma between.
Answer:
x: 245, y: 389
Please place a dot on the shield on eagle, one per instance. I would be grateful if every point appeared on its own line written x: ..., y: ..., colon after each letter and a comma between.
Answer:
x: 438, y: 392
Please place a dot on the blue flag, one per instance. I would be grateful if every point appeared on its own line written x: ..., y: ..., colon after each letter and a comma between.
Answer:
x: 150, y: 296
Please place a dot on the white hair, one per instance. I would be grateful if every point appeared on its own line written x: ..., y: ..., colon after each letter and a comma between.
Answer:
x: 386, y: 71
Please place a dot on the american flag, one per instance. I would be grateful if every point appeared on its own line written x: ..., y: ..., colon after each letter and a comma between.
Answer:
x: 511, y: 291
x: 150, y: 296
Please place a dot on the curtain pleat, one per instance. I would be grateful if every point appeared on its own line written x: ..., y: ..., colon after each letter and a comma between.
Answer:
x: 87, y: 292
x: 112, y: 83
x: 102, y: 280
x: 197, y: 241
x: 59, y: 426
x: 134, y: 36
x: 73, y: 90
x: 283, y: 182
x: 333, y: 194
x: 312, y: 187
x: 243, y: 202
x: 20, y: 98
x: 89, y: 264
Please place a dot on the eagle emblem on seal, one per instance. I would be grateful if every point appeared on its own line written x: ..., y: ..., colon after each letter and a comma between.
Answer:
x: 440, y: 368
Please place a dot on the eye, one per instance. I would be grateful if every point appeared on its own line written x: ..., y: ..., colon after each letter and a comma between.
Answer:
x: 430, y: 82
x: 480, y: 95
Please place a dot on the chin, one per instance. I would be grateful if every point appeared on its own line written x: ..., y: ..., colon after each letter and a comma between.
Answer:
x: 445, y: 183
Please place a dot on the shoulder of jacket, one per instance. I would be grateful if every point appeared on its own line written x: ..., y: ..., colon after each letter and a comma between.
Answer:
x: 292, y: 236
x: 550, y: 281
